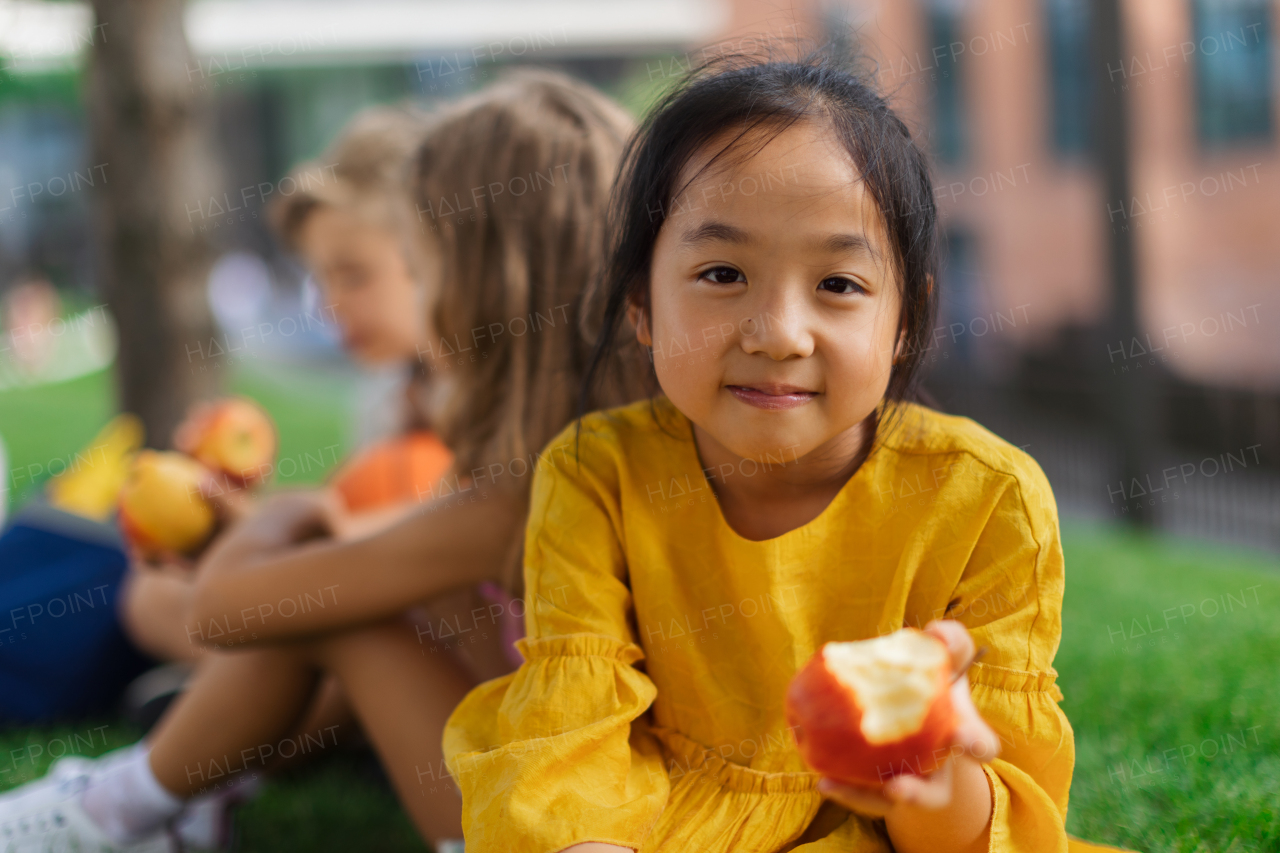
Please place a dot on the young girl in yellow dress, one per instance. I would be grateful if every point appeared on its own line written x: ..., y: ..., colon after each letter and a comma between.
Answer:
x: 775, y: 246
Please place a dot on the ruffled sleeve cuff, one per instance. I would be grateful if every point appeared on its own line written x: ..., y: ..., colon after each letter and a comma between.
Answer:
x: 1015, y: 680
x: 580, y: 645
x: 547, y: 757
x: 1031, y: 778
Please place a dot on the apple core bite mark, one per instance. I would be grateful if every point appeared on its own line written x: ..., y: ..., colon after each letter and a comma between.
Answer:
x: 894, y: 678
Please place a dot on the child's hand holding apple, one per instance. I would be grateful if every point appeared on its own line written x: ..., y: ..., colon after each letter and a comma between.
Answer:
x: 173, y: 503
x: 885, y: 720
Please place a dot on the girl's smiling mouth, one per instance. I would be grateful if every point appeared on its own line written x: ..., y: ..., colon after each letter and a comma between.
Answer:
x: 771, y: 396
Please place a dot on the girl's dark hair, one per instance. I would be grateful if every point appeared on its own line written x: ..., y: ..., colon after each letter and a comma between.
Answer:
x: 750, y: 94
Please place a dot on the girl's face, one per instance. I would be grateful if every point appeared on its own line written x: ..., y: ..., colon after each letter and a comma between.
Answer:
x: 364, y: 276
x: 773, y: 306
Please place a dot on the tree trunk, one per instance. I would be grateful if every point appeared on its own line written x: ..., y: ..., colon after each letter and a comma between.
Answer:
x: 1130, y: 397
x: 148, y: 125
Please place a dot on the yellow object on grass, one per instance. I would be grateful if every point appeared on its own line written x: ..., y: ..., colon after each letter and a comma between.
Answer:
x: 91, y: 483
x: 649, y: 710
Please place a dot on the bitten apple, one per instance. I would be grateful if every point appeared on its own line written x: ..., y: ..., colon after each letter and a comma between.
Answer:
x: 233, y: 436
x: 867, y: 711
x: 161, y: 507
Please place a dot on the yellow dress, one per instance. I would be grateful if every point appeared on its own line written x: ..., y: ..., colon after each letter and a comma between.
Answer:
x: 649, y: 710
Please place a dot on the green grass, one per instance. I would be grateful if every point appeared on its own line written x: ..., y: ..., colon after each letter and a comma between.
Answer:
x: 49, y: 423
x: 26, y: 754
x: 43, y: 425
x: 336, y: 804
x: 1168, y: 666
x: 1177, y: 744
x: 340, y: 805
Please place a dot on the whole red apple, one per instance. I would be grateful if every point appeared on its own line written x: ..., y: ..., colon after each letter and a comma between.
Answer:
x: 161, y: 509
x: 233, y: 436
x: 867, y: 711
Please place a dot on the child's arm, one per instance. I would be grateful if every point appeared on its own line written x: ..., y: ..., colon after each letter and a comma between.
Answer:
x: 551, y: 757
x: 257, y: 584
x: 1009, y: 597
x: 348, y: 526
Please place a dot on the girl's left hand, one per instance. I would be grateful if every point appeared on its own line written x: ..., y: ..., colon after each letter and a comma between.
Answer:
x: 288, y: 517
x: 164, y: 563
x: 974, y: 740
x: 231, y: 502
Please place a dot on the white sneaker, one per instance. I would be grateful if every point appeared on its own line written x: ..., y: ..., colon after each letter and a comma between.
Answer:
x: 45, y: 816
x: 206, y: 824
x: 79, y: 765
x: 70, y: 767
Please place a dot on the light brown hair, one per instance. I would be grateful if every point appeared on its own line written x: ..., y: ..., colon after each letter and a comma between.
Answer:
x: 363, y: 172
x: 511, y: 188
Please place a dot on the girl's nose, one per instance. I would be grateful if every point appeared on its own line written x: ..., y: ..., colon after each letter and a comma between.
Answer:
x: 779, y: 327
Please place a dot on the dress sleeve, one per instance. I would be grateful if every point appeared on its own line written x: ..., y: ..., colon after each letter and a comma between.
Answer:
x: 1010, y: 598
x: 550, y: 756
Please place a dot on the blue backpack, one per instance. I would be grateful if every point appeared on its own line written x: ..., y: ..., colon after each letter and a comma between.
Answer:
x: 62, y: 652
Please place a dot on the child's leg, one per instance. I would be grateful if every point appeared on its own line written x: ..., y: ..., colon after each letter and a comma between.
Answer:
x: 328, y: 708
x: 240, y: 701
x: 225, y: 724
x: 402, y: 695
x: 151, y: 608
x: 468, y: 627
x: 231, y: 717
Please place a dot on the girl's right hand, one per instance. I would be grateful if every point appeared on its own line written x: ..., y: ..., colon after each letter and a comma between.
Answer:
x: 230, y: 502
x: 974, y: 741
x: 294, y: 516
x: 164, y: 563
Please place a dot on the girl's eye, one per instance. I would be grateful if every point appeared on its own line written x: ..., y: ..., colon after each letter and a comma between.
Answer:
x: 840, y: 285
x: 722, y: 275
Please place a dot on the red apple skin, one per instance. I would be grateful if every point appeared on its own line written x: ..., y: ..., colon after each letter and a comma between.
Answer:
x: 236, y: 437
x: 826, y: 720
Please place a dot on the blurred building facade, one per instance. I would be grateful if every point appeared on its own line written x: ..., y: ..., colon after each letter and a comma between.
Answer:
x: 1002, y: 92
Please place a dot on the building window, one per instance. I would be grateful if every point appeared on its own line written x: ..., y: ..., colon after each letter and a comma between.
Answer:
x: 1067, y: 26
x: 1233, y: 70
x: 950, y: 135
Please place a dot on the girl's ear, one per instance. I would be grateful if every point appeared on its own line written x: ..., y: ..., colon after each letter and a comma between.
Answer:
x: 638, y: 318
x: 902, y: 339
